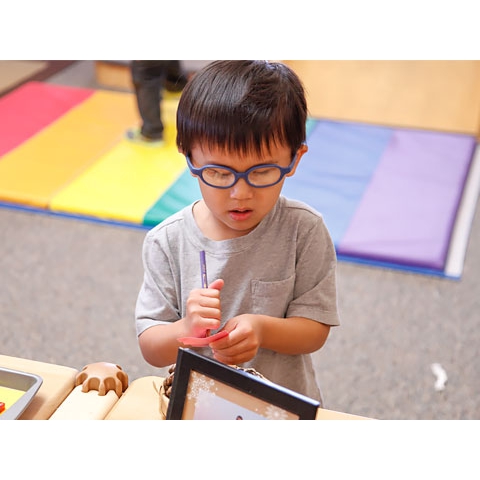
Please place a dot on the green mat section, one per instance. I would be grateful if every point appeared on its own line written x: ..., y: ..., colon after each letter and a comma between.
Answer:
x: 182, y: 193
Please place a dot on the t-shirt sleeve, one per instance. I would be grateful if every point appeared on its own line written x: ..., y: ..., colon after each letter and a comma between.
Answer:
x: 156, y: 302
x: 315, y: 293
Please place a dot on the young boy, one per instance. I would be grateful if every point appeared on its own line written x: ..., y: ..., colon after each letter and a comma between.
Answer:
x: 241, y: 126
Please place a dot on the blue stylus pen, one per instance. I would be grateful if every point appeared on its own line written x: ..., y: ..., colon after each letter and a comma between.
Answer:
x: 203, y: 269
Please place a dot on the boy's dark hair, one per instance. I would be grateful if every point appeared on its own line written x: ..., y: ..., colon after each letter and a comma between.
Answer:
x: 243, y: 106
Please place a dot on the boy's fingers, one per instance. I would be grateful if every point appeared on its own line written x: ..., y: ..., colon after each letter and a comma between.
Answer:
x: 217, y: 284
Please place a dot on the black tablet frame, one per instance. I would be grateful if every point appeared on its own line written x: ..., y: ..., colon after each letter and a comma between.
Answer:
x: 258, y: 388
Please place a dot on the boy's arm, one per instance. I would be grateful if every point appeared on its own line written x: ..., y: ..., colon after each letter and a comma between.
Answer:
x: 248, y: 333
x: 159, y: 345
x: 292, y: 335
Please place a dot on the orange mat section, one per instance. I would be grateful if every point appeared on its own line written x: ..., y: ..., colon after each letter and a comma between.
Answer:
x: 126, y: 180
x: 35, y: 171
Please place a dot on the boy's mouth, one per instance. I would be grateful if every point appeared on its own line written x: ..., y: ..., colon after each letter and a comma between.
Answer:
x: 240, y: 214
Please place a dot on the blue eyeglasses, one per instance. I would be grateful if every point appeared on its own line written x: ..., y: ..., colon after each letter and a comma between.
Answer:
x: 260, y: 176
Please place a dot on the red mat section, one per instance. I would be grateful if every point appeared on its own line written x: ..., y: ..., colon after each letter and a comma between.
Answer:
x: 33, y: 106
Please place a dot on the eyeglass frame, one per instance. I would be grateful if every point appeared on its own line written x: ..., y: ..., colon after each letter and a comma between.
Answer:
x: 238, y: 175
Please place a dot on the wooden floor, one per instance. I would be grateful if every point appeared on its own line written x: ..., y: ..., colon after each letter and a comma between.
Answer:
x: 437, y: 95
x: 15, y: 72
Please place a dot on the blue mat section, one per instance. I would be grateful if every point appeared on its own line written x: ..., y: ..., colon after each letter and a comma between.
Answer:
x: 333, y: 175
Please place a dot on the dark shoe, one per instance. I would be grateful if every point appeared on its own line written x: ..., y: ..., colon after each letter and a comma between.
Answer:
x: 134, y: 135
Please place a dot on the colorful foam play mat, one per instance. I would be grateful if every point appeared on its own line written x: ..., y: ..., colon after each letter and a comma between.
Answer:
x: 392, y: 197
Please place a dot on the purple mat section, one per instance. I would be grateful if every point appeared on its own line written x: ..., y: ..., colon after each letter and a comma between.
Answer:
x: 338, y: 167
x: 407, y: 213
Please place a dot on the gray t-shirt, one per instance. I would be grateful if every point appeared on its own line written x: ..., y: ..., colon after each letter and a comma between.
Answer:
x: 285, y: 267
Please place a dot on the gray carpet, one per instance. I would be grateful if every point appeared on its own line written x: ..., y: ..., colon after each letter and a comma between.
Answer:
x: 68, y: 290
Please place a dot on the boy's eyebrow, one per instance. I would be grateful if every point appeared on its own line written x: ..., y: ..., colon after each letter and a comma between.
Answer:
x: 269, y: 162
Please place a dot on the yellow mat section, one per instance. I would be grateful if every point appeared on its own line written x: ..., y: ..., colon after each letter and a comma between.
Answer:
x: 38, y: 169
x: 126, y: 180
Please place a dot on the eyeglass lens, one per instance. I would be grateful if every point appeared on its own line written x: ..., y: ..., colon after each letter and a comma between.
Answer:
x: 222, y: 177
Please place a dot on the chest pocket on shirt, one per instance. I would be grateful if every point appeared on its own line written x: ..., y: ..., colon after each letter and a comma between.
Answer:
x: 272, y: 298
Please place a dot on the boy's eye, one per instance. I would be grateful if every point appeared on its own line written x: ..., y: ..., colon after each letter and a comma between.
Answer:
x: 263, y: 171
x: 218, y: 176
x: 217, y: 172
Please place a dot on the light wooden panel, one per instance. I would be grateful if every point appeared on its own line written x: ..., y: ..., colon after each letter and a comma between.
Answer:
x: 437, y: 95
x: 114, y: 75
x: 13, y: 72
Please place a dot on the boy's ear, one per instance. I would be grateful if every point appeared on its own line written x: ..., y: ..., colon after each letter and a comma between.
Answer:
x: 180, y: 150
x: 300, y: 152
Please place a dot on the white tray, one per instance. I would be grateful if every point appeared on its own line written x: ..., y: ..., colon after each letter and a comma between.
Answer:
x: 27, y: 382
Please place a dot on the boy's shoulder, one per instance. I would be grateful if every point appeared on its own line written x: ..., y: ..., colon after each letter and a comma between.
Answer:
x: 299, y: 208
x: 176, y: 220
x: 303, y: 219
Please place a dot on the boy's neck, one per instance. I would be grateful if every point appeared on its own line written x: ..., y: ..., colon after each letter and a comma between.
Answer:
x: 211, y: 227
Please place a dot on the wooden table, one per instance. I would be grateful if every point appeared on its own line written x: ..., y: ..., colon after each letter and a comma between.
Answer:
x: 58, y: 383
x: 58, y: 398
x: 141, y: 401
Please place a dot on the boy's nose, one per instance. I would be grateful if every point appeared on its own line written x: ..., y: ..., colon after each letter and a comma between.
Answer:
x: 241, y: 190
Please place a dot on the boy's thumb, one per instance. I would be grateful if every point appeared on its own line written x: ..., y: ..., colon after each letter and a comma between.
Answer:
x: 217, y: 284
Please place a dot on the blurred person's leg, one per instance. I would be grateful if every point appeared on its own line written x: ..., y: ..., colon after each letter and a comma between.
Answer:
x: 148, y: 77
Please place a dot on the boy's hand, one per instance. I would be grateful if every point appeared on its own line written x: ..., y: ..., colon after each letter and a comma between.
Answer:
x: 242, y: 342
x: 203, y: 309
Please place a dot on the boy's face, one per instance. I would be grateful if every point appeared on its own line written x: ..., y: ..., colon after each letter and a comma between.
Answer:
x: 236, y: 211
